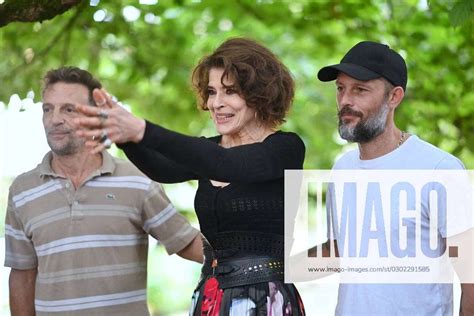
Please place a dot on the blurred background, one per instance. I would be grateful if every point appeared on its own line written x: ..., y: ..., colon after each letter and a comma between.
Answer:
x: 143, y: 51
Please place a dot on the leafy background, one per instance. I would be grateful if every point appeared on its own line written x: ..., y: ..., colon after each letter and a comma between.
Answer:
x: 144, y: 51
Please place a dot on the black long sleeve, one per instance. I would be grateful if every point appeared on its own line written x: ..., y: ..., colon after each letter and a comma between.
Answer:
x: 156, y: 166
x: 257, y: 162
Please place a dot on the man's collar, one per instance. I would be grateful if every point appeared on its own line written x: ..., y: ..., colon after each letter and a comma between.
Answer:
x: 45, y: 168
x: 108, y: 165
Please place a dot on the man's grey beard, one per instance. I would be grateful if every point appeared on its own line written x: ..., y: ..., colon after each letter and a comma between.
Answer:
x: 365, y: 130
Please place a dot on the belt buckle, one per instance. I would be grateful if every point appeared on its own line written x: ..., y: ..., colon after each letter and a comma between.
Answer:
x: 214, y: 266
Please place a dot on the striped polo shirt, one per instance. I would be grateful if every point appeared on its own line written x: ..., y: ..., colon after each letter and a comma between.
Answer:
x: 90, y: 244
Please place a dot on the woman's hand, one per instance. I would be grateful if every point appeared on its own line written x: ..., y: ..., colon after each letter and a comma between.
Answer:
x: 108, y: 123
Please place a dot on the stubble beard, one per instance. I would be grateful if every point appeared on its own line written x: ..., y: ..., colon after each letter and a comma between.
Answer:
x: 71, y: 146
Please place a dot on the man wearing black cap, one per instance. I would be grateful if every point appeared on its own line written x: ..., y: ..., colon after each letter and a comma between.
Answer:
x: 371, y: 82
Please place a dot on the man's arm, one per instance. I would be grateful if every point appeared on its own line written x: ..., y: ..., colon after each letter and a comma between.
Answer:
x: 462, y: 259
x: 22, y: 292
x: 329, y: 249
x: 465, y: 271
x: 193, y: 251
x: 467, y: 299
x: 300, y: 263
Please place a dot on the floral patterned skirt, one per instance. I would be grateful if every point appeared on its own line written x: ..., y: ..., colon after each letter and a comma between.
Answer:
x: 273, y: 298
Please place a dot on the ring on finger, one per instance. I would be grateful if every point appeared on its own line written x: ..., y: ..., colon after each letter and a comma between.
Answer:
x: 107, y: 143
x: 103, y: 136
x: 102, y: 114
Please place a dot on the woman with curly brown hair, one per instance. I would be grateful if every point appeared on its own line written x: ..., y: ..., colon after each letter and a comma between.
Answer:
x: 239, y: 201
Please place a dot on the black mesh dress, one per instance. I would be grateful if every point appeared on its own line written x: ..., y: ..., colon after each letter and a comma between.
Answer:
x: 243, y: 222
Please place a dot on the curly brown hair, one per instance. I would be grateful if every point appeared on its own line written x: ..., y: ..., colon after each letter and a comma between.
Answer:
x: 260, y: 78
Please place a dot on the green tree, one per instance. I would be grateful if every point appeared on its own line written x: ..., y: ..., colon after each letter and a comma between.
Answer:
x: 144, y: 54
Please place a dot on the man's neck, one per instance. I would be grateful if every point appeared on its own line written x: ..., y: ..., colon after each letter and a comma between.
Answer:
x: 76, y: 167
x: 383, y: 144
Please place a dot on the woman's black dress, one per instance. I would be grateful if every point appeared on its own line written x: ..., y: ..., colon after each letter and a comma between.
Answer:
x: 243, y: 222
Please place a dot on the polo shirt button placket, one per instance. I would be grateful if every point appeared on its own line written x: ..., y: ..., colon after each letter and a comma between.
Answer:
x: 76, y: 211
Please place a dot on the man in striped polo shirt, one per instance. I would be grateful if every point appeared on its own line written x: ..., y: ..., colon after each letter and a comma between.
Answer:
x: 77, y: 225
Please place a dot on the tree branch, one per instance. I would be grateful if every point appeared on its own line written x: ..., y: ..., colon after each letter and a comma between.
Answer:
x: 33, y: 10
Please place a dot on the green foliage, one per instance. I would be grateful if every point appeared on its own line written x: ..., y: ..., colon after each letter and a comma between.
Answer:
x: 147, y: 62
x: 462, y: 12
x: 181, y: 275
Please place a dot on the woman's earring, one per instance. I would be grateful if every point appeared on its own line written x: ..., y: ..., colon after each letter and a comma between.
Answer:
x: 259, y: 123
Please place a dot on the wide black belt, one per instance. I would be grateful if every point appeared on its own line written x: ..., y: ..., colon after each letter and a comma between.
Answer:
x: 238, y: 268
x: 248, y: 270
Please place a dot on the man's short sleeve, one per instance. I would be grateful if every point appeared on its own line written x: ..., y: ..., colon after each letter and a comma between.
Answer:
x: 19, y: 249
x: 458, y: 216
x: 163, y: 222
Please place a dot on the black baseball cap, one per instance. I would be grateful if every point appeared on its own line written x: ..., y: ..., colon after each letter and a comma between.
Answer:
x: 369, y: 60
